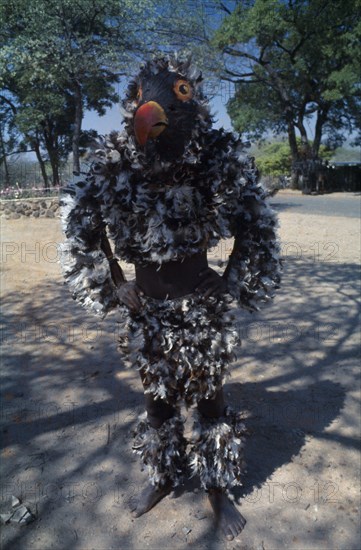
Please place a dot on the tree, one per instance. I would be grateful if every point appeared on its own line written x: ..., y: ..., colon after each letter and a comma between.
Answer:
x: 292, y: 61
x: 275, y: 158
x: 8, y: 137
x: 60, y: 57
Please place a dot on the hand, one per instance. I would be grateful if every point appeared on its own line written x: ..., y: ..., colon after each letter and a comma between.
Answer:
x: 128, y: 294
x: 211, y: 283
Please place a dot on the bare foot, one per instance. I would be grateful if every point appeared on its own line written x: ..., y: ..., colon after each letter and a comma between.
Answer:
x: 228, y: 517
x: 149, y: 497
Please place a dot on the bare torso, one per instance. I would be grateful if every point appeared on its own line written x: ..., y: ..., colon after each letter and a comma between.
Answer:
x: 173, y: 279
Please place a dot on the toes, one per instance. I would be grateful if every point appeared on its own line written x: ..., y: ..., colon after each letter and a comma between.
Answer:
x: 132, y: 505
x: 241, y: 522
x: 240, y: 527
x: 136, y: 513
x: 230, y: 531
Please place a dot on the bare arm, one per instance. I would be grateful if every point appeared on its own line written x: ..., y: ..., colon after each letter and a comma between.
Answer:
x: 115, y: 269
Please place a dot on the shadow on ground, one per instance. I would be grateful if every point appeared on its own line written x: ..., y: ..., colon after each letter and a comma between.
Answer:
x: 70, y: 403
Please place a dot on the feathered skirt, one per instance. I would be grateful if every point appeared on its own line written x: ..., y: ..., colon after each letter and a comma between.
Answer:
x: 181, y: 346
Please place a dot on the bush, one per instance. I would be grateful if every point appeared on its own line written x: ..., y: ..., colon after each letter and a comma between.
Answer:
x: 274, y: 159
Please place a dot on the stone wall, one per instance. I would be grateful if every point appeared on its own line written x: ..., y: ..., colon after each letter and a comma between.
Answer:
x: 31, y: 208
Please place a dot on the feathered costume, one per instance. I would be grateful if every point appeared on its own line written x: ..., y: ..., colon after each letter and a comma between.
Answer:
x: 161, y: 202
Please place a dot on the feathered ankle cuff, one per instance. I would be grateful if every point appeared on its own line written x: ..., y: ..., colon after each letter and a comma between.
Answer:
x: 162, y: 451
x: 217, y: 450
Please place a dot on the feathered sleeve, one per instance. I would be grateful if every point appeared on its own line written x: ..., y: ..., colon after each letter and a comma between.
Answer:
x: 254, y: 268
x: 85, y: 266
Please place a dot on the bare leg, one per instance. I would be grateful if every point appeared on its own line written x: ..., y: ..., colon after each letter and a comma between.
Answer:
x: 229, y: 519
x: 157, y: 412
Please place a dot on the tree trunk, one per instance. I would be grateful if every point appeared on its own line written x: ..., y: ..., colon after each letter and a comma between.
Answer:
x: 77, y: 127
x: 304, y: 138
x: 54, y: 161
x: 53, y: 152
x: 294, y: 153
x: 5, y: 162
x: 294, y: 179
x: 321, y: 119
x: 36, y: 145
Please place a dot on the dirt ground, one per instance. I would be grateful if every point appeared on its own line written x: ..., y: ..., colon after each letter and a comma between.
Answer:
x: 68, y: 404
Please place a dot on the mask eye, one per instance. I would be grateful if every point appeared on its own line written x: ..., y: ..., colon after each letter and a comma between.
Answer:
x: 183, y: 90
x: 139, y: 94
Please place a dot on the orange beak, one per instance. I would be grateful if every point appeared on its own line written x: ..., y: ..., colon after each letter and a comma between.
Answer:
x: 150, y: 120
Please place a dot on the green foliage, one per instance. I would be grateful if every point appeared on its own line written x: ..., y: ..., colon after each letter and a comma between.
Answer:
x: 253, y: 111
x: 58, y: 58
x: 9, y: 138
x: 275, y: 158
x: 61, y: 57
x: 291, y: 62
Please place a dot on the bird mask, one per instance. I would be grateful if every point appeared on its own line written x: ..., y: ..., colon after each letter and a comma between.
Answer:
x: 165, y: 107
